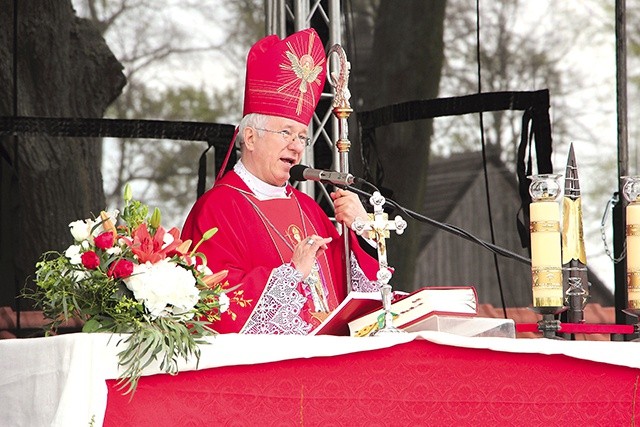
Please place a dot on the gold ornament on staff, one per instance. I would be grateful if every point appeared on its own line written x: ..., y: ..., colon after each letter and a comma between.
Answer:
x: 338, y: 76
x: 574, y: 257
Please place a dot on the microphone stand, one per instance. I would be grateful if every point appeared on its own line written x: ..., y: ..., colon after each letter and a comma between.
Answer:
x: 443, y: 226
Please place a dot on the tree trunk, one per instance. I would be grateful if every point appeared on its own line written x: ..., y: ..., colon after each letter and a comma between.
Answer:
x: 406, y: 62
x: 64, y: 69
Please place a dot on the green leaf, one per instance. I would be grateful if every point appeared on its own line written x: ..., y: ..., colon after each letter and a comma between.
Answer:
x: 91, y: 325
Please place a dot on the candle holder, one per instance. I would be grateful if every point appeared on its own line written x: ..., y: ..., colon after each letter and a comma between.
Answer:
x: 544, y: 187
x: 549, y: 325
x: 546, y: 252
x: 631, y: 188
x: 634, y: 312
x: 631, y: 193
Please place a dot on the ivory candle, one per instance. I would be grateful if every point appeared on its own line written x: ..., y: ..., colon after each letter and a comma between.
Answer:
x: 633, y: 255
x: 546, y: 254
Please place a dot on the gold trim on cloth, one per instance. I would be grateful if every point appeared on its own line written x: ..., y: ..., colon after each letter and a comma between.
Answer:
x: 544, y: 226
x: 572, y: 233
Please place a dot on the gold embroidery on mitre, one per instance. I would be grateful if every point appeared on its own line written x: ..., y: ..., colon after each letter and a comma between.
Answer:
x: 305, y: 71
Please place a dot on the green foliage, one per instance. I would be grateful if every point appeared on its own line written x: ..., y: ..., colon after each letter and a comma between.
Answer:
x: 135, y: 213
x: 95, y: 280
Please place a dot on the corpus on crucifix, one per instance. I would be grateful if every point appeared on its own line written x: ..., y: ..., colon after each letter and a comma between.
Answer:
x: 378, y: 228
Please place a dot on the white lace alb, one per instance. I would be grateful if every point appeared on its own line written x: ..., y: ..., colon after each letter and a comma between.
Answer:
x: 359, y: 281
x: 278, y: 309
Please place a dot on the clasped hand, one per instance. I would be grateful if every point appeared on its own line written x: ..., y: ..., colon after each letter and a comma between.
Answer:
x: 347, y: 207
x: 306, y: 252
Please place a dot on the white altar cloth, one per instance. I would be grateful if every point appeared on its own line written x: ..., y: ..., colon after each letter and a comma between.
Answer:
x: 60, y: 381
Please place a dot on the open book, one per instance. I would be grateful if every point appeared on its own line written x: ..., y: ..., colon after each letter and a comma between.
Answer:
x: 356, y: 304
x: 414, y: 310
x: 358, y: 314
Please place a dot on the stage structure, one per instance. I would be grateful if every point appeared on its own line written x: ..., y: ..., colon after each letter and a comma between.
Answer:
x: 328, y: 130
x: 285, y: 17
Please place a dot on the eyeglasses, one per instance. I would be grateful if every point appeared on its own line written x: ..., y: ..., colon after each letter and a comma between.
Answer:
x: 288, y: 136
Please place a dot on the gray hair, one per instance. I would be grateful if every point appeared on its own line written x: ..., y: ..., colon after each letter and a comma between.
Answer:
x: 252, y: 120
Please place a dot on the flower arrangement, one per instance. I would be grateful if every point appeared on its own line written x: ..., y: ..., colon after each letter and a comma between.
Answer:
x: 137, y: 279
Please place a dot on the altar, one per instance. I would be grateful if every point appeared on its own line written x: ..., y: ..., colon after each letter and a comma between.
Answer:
x: 426, y: 378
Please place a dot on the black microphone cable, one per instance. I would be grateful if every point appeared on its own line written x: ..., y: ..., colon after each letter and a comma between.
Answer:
x: 460, y: 232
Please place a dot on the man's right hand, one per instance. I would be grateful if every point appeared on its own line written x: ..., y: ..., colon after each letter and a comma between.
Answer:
x: 306, y: 252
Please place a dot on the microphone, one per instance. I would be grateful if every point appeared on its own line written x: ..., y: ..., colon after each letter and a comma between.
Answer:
x: 303, y: 173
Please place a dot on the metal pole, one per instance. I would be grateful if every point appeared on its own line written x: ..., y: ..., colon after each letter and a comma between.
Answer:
x: 339, y: 129
x: 619, y: 219
x: 300, y: 22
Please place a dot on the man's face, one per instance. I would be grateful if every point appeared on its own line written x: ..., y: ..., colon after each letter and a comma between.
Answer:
x: 273, y: 154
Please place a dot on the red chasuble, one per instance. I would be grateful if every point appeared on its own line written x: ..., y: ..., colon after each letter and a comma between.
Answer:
x: 255, y: 242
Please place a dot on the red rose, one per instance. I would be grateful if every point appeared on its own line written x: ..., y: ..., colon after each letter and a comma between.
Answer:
x: 120, y: 269
x: 104, y: 240
x: 90, y: 260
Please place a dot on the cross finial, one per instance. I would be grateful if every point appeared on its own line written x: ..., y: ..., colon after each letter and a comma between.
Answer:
x: 377, y: 228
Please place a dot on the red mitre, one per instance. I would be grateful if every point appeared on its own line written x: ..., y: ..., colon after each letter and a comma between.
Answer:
x: 284, y: 78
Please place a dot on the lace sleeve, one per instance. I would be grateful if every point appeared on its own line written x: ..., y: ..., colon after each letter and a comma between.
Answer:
x: 278, y: 309
x: 359, y: 281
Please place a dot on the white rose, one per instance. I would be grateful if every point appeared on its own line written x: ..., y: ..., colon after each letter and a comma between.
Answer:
x: 81, y: 230
x: 74, y: 255
x: 223, y: 299
x: 164, y: 287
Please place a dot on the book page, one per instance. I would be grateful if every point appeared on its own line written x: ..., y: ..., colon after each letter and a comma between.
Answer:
x: 419, y: 304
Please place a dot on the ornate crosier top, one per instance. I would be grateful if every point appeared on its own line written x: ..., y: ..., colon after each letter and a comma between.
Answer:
x: 138, y: 279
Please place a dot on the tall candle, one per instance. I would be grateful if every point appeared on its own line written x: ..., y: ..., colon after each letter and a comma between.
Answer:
x: 546, y: 254
x: 633, y: 255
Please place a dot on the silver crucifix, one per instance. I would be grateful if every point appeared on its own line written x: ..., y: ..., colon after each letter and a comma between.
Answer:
x: 378, y: 228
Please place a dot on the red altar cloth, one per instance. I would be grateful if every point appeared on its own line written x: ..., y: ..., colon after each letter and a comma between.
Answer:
x: 419, y: 383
